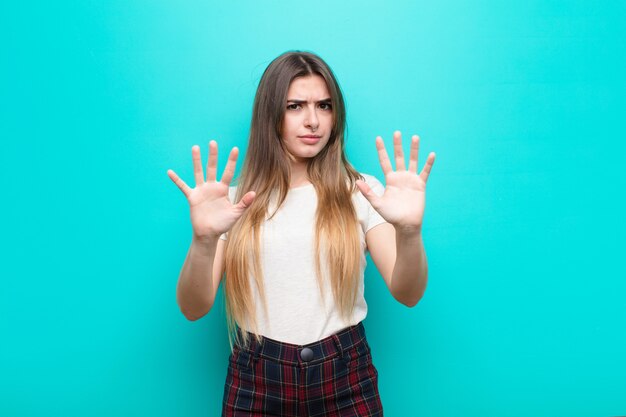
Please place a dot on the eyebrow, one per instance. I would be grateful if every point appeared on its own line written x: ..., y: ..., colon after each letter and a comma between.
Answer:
x: 326, y: 100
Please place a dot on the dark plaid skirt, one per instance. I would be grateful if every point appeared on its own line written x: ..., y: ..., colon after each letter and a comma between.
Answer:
x: 332, y: 377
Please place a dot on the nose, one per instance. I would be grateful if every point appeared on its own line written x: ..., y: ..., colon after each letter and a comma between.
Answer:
x: 311, y: 120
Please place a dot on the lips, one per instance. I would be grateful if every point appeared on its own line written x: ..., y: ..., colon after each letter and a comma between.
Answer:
x: 310, y: 139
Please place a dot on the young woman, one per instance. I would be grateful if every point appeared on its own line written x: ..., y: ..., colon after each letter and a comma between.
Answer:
x: 290, y: 242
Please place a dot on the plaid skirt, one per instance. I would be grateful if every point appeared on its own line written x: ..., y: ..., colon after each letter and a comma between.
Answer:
x: 332, y: 377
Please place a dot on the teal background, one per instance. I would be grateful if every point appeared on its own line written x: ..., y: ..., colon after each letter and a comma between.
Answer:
x: 523, y: 102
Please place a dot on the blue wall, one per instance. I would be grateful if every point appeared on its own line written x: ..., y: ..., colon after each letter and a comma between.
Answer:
x: 523, y: 102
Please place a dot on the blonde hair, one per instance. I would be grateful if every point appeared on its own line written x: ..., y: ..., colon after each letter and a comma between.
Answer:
x: 266, y: 170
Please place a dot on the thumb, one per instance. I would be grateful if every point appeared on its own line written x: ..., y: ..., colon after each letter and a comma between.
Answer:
x: 246, y: 200
x: 367, y: 192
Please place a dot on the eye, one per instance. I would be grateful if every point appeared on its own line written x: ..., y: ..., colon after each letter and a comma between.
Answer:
x: 293, y: 106
x: 326, y: 106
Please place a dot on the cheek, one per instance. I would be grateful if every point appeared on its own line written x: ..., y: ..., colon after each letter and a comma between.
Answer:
x: 288, y: 128
x: 330, y: 123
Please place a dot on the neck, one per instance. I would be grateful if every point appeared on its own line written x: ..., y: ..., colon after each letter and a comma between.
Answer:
x: 298, y: 174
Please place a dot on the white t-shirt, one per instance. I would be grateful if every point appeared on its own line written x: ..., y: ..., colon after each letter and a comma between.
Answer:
x: 297, y: 313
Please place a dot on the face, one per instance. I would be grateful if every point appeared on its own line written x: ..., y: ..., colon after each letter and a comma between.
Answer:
x: 308, y: 118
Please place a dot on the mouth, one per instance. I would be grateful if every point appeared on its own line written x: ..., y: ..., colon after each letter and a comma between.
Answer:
x: 310, y: 139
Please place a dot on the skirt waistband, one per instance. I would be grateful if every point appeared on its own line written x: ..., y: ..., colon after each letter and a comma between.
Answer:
x: 331, y: 346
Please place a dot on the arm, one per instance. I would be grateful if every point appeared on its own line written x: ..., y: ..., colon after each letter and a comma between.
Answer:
x: 197, y: 287
x: 397, y: 247
x: 212, y: 214
x: 400, y: 258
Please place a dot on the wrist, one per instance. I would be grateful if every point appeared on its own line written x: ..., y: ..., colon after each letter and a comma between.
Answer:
x: 205, y: 242
x: 408, y: 231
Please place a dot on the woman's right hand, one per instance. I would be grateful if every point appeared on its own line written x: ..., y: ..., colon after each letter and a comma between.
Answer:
x: 211, y: 211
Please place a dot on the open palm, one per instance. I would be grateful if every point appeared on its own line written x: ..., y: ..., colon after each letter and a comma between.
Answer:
x: 211, y: 211
x: 404, y: 199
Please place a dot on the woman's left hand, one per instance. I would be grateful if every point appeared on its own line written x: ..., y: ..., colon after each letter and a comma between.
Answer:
x: 404, y: 199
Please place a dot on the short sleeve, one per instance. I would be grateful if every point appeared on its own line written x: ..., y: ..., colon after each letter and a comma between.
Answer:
x: 373, y: 218
x: 232, y: 193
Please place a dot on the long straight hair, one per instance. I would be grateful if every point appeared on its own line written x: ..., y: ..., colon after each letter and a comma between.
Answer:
x: 267, y: 171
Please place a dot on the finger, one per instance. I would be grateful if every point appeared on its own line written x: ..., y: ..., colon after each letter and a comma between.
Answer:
x: 385, y: 163
x: 197, y: 165
x: 427, y: 167
x: 229, y: 171
x: 211, y: 166
x: 367, y: 192
x: 180, y: 183
x: 397, y: 151
x: 415, y: 145
x: 246, y: 200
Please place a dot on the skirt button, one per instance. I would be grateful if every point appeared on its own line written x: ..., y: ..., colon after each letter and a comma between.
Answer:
x: 306, y: 354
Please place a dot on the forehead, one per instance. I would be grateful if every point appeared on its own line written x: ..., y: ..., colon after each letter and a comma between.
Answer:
x: 311, y: 86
